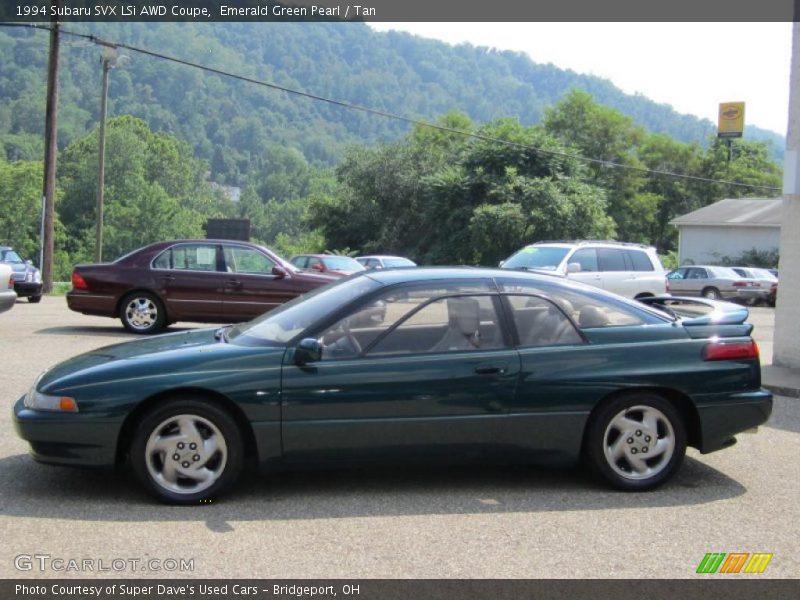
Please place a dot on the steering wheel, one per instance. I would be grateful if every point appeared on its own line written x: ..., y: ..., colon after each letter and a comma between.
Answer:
x: 350, y: 337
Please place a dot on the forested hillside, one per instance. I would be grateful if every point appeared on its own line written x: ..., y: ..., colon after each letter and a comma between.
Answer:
x: 229, y: 123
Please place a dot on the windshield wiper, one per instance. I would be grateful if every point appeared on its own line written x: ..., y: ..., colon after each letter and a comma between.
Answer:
x: 222, y: 333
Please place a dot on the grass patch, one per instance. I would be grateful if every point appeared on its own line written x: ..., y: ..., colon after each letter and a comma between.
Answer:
x: 60, y: 288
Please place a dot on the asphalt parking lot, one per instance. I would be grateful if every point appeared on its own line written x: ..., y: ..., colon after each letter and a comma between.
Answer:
x: 498, y: 522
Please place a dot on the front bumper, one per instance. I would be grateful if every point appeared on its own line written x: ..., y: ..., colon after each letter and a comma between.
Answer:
x: 28, y: 288
x: 723, y: 416
x: 67, y: 438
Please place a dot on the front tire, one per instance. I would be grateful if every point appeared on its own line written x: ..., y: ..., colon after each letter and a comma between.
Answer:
x: 187, y: 451
x: 636, y: 442
x: 142, y: 312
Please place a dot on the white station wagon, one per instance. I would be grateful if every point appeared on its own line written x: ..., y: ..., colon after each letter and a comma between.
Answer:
x: 631, y: 270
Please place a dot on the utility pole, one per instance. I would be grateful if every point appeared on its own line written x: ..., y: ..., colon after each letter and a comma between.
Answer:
x: 787, y: 311
x: 50, y: 155
x: 109, y: 55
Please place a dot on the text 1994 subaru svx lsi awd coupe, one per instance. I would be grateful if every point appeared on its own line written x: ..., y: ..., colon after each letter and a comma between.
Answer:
x: 457, y: 365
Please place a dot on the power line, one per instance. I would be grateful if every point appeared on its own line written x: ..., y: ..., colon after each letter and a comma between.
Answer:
x: 389, y: 115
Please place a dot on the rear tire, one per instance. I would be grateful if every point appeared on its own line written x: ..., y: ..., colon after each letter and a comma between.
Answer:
x: 712, y: 293
x: 142, y: 312
x: 636, y: 442
x: 35, y: 299
x: 187, y: 450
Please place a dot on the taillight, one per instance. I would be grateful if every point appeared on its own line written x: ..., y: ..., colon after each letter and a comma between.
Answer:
x: 730, y: 350
x: 11, y: 282
x: 740, y: 284
x: 78, y: 282
x: 667, y: 285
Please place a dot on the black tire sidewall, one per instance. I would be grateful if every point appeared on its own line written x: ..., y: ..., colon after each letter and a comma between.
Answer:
x: 712, y: 293
x: 160, y: 322
x: 34, y: 299
x: 202, y: 408
x: 596, y: 433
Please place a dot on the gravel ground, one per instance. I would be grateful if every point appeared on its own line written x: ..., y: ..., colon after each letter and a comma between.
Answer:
x: 415, y: 522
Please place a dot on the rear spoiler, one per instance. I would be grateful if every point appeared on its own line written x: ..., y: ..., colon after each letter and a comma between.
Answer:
x: 713, y: 316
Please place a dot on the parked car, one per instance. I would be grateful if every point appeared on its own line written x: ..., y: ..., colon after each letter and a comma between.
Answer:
x: 763, y: 280
x: 218, y: 281
x: 772, y: 298
x: 27, y: 278
x: 631, y: 270
x: 380, y: 261
x: 329, y: 264
x: 467, y: 364
x: 8, y: 297
x: 716, y: 283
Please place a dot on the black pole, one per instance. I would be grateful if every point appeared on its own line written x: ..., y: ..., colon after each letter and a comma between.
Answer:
x: 50, y: 155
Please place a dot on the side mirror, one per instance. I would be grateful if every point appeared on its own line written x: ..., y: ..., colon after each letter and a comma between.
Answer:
x: 308, y: 350
x: 279, y: 272
x: 574, y: 268
x: 29, y: 262
x: 501, y: 263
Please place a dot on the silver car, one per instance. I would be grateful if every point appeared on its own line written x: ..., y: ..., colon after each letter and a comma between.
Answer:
x: 7, y: 294
x: 763, y: 281
x: 716, y: 283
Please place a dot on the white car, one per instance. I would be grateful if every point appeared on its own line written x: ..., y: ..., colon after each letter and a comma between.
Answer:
x: 380, y: 261
x: 7, y: 294
x: 631, y: 270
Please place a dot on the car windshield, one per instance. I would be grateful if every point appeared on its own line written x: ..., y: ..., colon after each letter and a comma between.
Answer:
x: 342, y: 263
x: 393, y: 263
x: 10, y: 256
x: 281, y: 324
x: 543, y: 258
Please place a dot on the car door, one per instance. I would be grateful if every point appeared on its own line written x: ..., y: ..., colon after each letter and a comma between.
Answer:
x: 590, y: 270
x: 414, y: 386
x: 616, y: 276
x: 191, y: 281
x: 250, y: 286
x: 678, y: 284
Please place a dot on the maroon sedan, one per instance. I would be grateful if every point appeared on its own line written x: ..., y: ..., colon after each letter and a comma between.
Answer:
x: 331, y: 264
x: 188, y: 280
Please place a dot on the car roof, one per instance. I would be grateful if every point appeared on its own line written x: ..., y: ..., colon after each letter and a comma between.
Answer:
x: 381, y: 256
x: 421, y: 274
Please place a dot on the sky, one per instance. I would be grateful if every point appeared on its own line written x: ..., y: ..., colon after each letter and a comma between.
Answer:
x: 692, y: 66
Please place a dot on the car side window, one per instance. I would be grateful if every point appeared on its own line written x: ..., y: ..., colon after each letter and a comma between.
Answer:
x: 361, y: 329
x: 640, y: 260
x: 194, y: 257
x: 300, y: 261
x: 610, y: 259
x: 452, y: 324
x: 373, y: 263
x: 164, y: 260
x: 679, y: 274
x: 540, y: 322
x: 586, y: 258
x: 314, y: 263
x: 239, y: 259
x: 696, y: 273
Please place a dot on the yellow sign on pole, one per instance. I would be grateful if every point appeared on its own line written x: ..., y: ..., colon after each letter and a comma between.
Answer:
x: 731, y: 120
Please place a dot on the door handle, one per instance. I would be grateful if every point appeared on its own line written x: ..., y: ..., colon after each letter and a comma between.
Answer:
x: 234, y: 283
x: 491, y: 369
x: 168, y: 277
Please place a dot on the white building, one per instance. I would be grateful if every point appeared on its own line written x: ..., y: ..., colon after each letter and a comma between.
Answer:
x: 728, y: 228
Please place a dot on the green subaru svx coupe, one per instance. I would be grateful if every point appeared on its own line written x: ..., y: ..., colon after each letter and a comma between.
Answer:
x: 448, y: 364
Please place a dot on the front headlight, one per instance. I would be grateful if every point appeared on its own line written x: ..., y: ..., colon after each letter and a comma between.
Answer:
x: 28, y: 276
x: 37, y: 401
x: 37, y: 276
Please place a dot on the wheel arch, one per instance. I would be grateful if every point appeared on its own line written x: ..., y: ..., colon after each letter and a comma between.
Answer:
x: 678, y: 399
x: 141, y: 290
x: 137, y: 414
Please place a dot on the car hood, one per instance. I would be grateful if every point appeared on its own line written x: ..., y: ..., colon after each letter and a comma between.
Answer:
x: 188, y: 351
